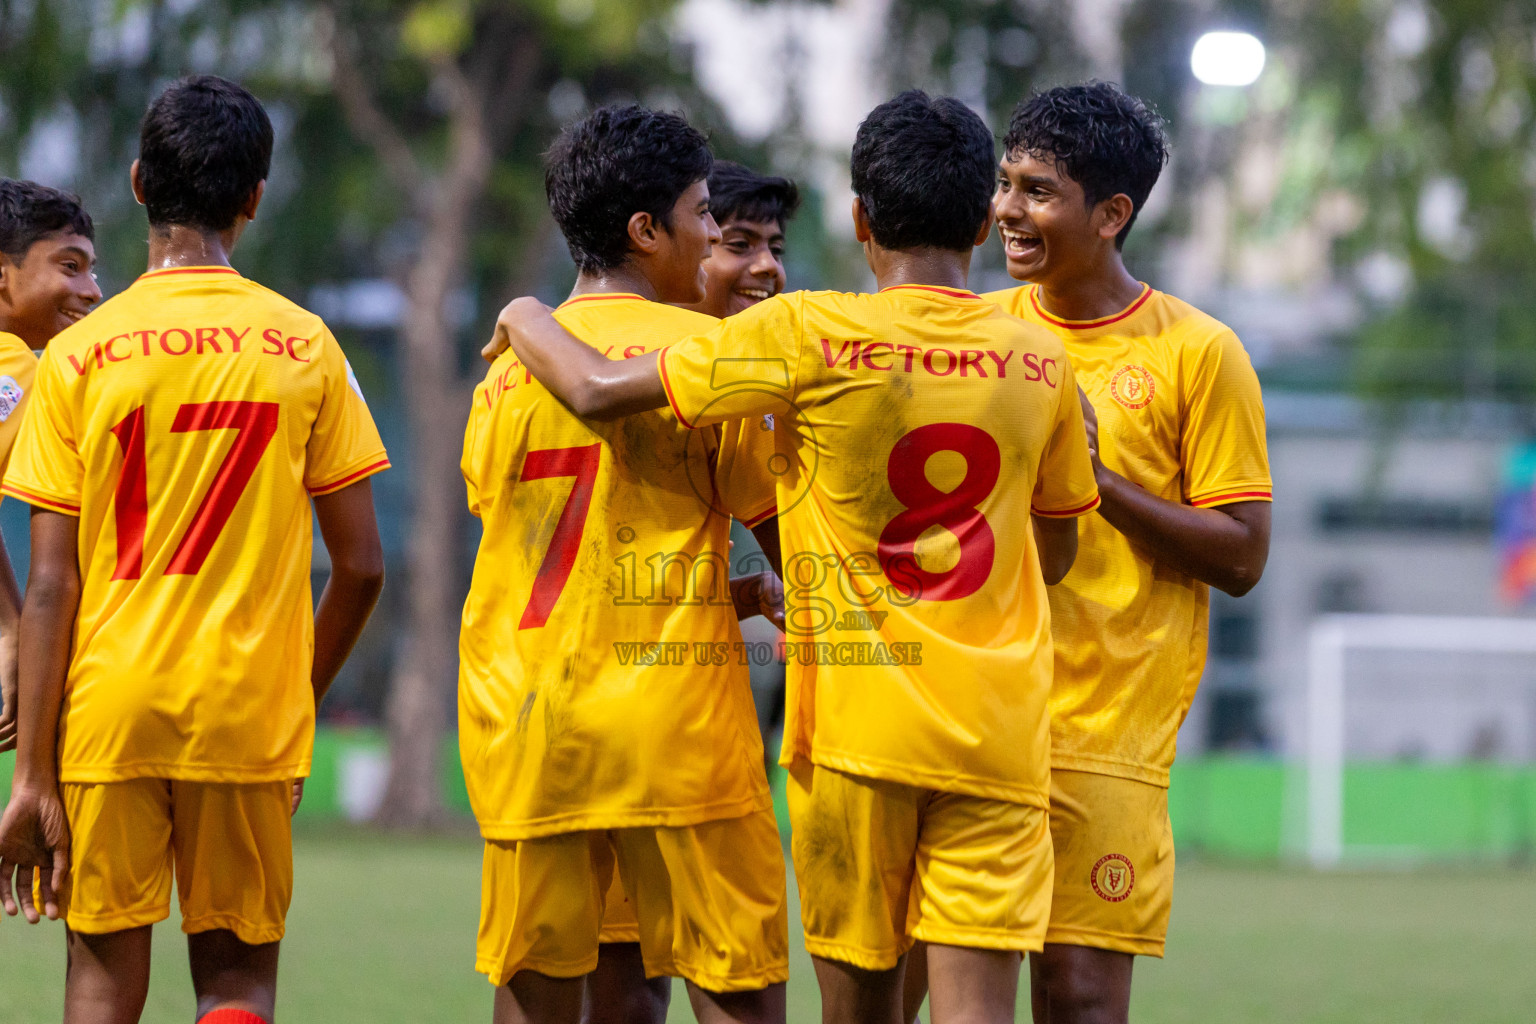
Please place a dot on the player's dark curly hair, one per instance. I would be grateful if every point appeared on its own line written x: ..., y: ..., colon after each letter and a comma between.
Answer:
x: 30, y: 212
x: 204, y: 145
x: 1106, y: 140
x: 612, y: 164
x: 924, y: 168
x: 740, y: 193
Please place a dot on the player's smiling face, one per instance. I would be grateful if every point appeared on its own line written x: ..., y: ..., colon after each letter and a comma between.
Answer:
x: 52, y: 287
x: 1046, y: 226
x: 745, y: 268
x: 680, y: 275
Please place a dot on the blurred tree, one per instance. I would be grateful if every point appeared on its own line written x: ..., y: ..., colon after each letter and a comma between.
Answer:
x: 1388, y: 146
x: 1425, y: 108
x: 986, y: 53
x: 456, y: 100
x: 409, y: 142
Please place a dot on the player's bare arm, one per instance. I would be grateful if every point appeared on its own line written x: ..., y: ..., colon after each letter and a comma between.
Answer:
x: 1057, y: 541
x: 759, y: 593
x: 590, y: 384
x: 33, y: 833
x: 767, y: 535
x: 1225, y: 547
x: 10, y: 624
x: 762, y: 593
x: 351, y: 535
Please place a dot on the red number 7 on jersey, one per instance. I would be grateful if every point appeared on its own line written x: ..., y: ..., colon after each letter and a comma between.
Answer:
x: 555, y: 570
x: 254, y: 424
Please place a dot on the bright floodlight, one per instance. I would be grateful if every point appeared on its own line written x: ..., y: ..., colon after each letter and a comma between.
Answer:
x: 1227, y: 58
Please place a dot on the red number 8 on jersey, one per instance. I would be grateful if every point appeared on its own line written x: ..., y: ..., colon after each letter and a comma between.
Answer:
x: 927, y: 507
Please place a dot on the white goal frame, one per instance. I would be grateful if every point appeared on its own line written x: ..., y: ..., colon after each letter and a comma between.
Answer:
x: 1331, y: 639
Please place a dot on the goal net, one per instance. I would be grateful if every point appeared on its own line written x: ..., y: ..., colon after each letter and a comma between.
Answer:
x: 1421, y: 739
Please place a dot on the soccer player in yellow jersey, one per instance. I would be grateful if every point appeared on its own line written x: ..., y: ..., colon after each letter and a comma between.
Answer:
x: 605, y: 717
x: 1176, y: 423
x: 917, y: 430
x: 171, y: 658
x: 47, y: 254
x: 745, y: 267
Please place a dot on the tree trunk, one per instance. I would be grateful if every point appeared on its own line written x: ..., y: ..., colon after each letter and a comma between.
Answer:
x: 437, y: 408
x: 436, y: 400
x: 436, y: 411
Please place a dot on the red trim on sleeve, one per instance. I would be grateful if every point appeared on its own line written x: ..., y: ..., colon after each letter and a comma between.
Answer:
x: 377, y: 467
x: 1231, y: 496
x: 666, y: 385
x: 1068, y: 513
x: 39, y: 500
x: 1083, y: 325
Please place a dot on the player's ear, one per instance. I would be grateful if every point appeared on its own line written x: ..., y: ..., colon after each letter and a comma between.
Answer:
x: 249, y: 210
x: 1113, y: 214
x: 644, y: 233
x: 986, y: 227
x: 133, y: 183
x: 861, y: 221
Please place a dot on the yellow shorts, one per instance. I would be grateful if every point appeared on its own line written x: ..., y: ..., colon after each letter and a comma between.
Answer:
x: 708, y: 899
x: 881, y: 864
x: 1114, y: 863
x: 229, y: 844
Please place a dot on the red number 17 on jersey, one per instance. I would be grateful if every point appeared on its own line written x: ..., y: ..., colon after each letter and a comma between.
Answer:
x: 254, y: 424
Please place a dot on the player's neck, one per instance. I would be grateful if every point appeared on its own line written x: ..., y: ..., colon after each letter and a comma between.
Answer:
x: 624, y: 279
x: 177, y: 245
x: 1102, y: 292
x: 940, y: 268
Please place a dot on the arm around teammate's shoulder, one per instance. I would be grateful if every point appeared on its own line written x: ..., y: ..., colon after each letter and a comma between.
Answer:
x: 590, y: 384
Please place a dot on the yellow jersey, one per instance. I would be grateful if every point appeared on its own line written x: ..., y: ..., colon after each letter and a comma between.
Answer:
x: 17, y: 368
x: 185, y: 423
x: 1180, y: 414
x: 916, y: 430
x: 603, y: 682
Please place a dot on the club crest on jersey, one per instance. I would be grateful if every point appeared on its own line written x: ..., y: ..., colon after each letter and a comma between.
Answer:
x: 10, y: 396
x: 1112, y: 877
x: 1132, y: 386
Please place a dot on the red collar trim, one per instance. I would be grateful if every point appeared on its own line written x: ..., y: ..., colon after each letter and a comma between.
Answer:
x: 600, y: 296
x: 1083, y: 325
x: 188, y: 270
x: 951, y: 292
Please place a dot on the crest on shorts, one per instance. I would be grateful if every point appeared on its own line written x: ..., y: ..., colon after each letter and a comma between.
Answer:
x: 1113, y: 877
x: 10, y: 396
x: 1132, y: 386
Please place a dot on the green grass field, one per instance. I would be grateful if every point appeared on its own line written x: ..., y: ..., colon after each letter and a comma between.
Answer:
x: 382, y: 929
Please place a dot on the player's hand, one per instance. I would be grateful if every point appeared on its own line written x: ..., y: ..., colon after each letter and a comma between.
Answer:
x: 34, y: 833
x: 298, y: 797
x: 1090, y: 423
x: 761, y: 593
x: 8, y: 691
x: 770, y: 599
x: 511, y: 316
